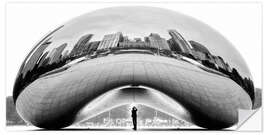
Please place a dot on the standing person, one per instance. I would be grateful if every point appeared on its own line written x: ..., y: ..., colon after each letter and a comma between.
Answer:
x: 134, y: 117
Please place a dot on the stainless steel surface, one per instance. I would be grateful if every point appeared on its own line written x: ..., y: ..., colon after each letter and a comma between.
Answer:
x: 133, y: 30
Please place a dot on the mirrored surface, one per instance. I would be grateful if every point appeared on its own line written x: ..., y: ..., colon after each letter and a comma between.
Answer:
x: 144, y: 30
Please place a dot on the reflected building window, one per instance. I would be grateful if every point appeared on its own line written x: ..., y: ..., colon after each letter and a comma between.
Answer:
x: 31, y: 63
x: 137, y: 43
x: 81, y: 46
x: 176, y: 47
x: 56, y: 57
x: 157, y: 42
x: 110, y: 41
x: 93, y: 46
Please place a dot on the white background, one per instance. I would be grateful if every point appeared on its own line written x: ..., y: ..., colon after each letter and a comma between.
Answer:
x: 27, y: 22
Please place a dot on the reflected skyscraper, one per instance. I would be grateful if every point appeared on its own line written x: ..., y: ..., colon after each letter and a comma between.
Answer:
x: 31, y: 63
x: 180, y: 41
x: 157, y: 42
x: 220, y: 63
x: 136, y: 43
x: 173, y: 46
x: 42, y: 59
x: 58, y: 53
x: 188, y: 78
x: 110, y: 41
x: 65, y: 54
x: 200, y: 52
x: 82, y: 46
x: 199, y: 47
x: 93, y: 46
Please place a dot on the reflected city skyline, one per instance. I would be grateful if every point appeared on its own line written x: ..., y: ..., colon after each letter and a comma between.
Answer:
x: 118, y: 56
x: 57, y: 59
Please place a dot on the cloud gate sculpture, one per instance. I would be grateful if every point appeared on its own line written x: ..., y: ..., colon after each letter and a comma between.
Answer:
x: 122, y: 55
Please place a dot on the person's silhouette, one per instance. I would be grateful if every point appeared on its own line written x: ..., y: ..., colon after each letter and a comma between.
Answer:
x: 134, y: 117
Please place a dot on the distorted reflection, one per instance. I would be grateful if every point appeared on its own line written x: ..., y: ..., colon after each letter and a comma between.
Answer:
x: 43, y: 61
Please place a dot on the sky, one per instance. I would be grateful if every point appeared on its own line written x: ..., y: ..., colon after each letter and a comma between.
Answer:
x: 27, y: 23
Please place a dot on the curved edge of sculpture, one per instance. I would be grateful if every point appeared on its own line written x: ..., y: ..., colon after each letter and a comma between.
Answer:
x: 54, y: 100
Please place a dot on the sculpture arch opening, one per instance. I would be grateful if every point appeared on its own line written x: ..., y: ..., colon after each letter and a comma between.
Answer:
x: 62, y: 94
x: 178, y: 56
x: 127, y: 95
